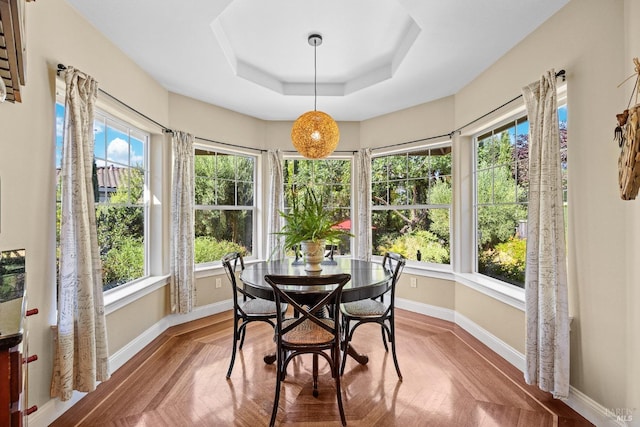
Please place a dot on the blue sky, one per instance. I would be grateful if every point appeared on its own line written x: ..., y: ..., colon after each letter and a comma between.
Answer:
x: 112, y: 144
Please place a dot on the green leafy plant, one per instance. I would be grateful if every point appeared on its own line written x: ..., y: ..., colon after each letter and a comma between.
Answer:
x: 427, y: 243
x: 123, y: 263
x: 506, y: 262
x: 309, y: 220
x: 208, y: 249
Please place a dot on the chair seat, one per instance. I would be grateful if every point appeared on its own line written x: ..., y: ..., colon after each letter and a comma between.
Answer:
x: 308, y: 332
x: 260, y: 307
x: 363, y: 308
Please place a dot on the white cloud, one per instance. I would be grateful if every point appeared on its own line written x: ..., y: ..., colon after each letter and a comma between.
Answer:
x: 119, y: 150
x: 59, y: 126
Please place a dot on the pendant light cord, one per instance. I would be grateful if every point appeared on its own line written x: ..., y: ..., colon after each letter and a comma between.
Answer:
x: 315, y: 75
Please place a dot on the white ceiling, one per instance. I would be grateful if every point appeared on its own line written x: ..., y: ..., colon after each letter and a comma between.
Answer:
x: 377, y: 56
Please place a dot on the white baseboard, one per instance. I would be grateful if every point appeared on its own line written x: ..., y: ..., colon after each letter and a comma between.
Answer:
x: 426, y: 309
x: 54, y: 408
x: 123, y: 355
x: 595, y: 412
x: 507, y: 352
x: 50, y: 411
x: 578, y: 401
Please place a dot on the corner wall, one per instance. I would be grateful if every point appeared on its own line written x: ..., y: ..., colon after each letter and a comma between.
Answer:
x: 599, y: 225
x: 55, y: 33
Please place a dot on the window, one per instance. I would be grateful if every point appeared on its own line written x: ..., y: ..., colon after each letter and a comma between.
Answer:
x: 502, y: 191
x: 225, y: 204
x: 120, y: 187
x: 330, y: 178
x: 411, y: 197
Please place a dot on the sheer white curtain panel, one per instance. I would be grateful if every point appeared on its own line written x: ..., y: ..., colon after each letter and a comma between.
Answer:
x: 80, y: 336
x: 547, y: 319
x: 363, y: 164
x: 182, y: 223
x: 275, y: 249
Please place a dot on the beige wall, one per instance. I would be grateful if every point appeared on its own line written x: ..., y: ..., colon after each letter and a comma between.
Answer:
x: 207, y: 293
x: 426, y: 120
x: 127, y: 323
x: 604, y: 231
x: 632, y: 212
x: 55, y: 34
x: 428, y: 290
x: 598, y: 222
x: 501, y: 320
x: 218, y: 124
x: 215, y: 123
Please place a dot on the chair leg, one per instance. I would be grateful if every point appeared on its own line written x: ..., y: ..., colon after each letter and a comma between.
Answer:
x: 315, y: 375
x: 339, y: 391
x: 393, y: 348
x: 235, y: 342
x: 276, y: 398
x: 345, y: 343
x: 243, y: 330
x: 384, y: 339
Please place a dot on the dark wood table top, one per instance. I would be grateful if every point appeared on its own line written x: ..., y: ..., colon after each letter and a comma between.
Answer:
x: 368, y: 279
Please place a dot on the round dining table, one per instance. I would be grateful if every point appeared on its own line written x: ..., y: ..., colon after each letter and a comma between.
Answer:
x: 368, y: 280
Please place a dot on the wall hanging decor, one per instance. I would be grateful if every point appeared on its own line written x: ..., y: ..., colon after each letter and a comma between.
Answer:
x: 627, y: 135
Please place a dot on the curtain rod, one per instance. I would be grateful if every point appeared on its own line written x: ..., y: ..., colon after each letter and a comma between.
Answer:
x: 260, y: 150
x: 62, y: 67
x: 561, y: 73
x: 429, y: 138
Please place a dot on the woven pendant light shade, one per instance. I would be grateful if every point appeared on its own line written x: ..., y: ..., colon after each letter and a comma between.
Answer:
x: 315, y: 134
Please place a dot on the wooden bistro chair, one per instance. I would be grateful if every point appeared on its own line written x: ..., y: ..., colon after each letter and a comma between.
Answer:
x: 311, y: 332
x: 248, y: 308
x: 374, y: 311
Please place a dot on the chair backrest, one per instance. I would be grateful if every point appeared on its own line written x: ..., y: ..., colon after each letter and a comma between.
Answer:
x: 231, y: 262
x: 308, y: 302
x: 395, y: 263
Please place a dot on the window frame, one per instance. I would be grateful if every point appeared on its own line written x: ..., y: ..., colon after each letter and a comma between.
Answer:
x: 256, y: 240
x: 108, y: 118
x: 506, y: 292
x: 414, y: 266
x: 157, y: 185
x: 146, y: 194
x: 336, y: 156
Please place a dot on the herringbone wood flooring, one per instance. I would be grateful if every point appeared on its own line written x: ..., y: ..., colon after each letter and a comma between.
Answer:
x: 450, y: 379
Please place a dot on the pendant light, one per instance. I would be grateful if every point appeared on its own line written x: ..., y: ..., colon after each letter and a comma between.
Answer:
x: 315, y: 134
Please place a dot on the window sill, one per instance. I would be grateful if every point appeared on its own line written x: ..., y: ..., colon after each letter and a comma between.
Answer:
x: 216, y: 268
x: 429, y: 270
x: 121, y: 296
x: 508, y: 294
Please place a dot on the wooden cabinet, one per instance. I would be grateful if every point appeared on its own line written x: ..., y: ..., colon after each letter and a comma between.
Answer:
x: 14, y: 357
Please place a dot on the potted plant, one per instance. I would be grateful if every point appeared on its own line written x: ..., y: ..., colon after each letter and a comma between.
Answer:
x: 309, y: 224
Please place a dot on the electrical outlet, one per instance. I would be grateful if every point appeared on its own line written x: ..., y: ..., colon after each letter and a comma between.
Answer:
x: 413, y: 282
x: 218, y: 283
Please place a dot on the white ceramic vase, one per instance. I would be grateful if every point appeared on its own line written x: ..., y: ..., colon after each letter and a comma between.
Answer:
x: 313, y: 252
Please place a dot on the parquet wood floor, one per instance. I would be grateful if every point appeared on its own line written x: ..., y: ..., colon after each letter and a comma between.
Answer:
x: 450, y: 380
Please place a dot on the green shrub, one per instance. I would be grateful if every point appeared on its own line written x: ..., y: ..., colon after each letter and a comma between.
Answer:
x: 208, y: 249
x: 123, y: 263
x: 427, y: 243
x: 506, y: 261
